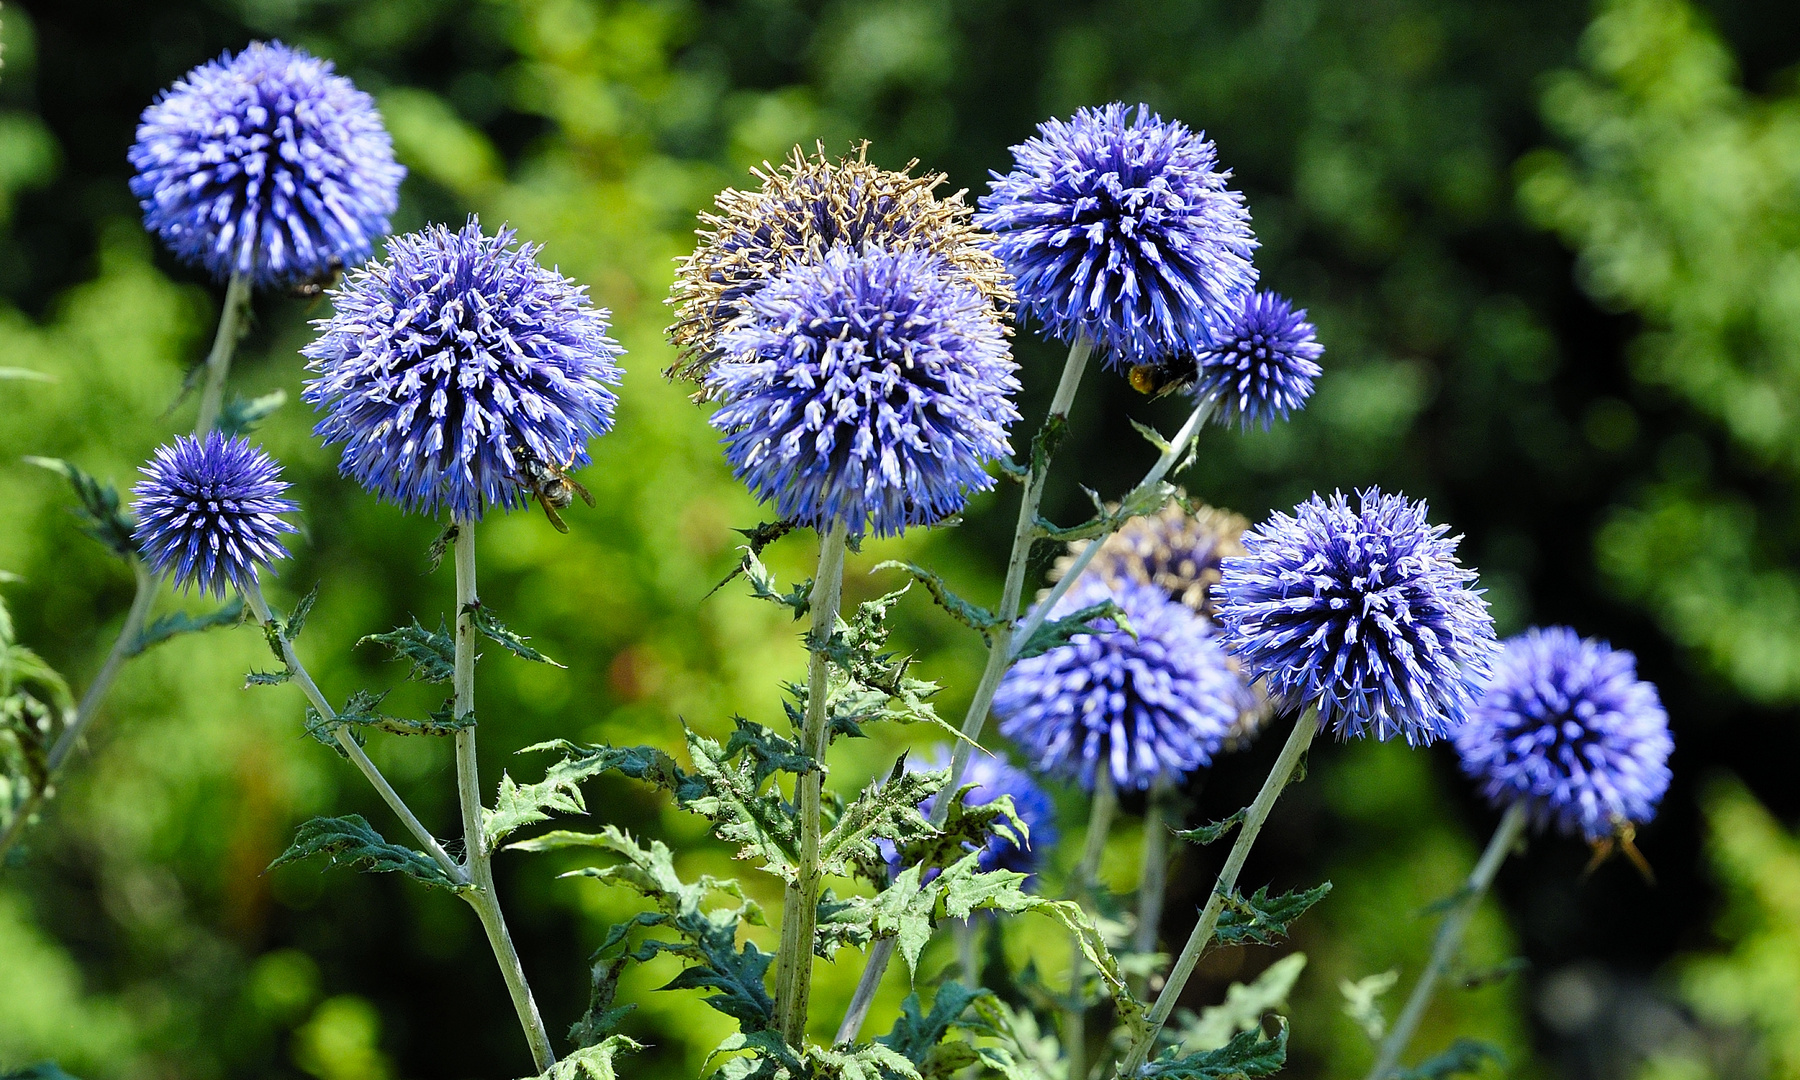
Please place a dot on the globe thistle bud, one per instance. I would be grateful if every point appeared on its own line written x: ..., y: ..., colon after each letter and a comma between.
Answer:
x: 1262, y: 363
x: 265, y: 164
x: 1568, y: 729
x: 803, y: 208
x: 209, y: 513
x: 1119, y: 228
x: 1364, y: 612
x: 456, y: 365
x: 1157, y: 704
x: 870, y: 388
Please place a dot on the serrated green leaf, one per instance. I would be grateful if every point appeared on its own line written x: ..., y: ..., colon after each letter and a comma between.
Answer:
x: 763, y: 585
x: 889, y: 810
x: 268, y: 678
x: 1055, y: 633
x: 432, y: 653
x: 1245, y: 1057
x: 518, y: 805
x: 594, y: 1062
x: 1214, y: 831
x: 870, y: 685
x: 296, y: 622
x: 1361, y: 1004
x: 919, y: 1036
x: 760, y: 537
x: 762, y: 824
x: 352, y: 841
x: 1465, y: 1057
x: 180, y: 622
x: 1047, y: 441
x: 1264, y: 919
x: 1243, y: 1008
x: 362, y: 713
x: 241, y: 416
x: 1109, y: 519
x: 99, y: 512
x: 770, y: 753
x: 973, y: 616
x: 440, y: 546
x: 489, y: 626
x: 1152, y: 436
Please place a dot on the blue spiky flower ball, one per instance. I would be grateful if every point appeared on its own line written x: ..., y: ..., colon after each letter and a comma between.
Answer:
x: 209, y: 513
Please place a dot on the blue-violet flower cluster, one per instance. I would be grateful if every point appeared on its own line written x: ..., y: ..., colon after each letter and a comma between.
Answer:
x: 266, y: 164
x: 1567, y: 728
x: 1159, y: 704
x: 993, y: 776
x: 869, y: 388
x: 453, y: 360
x: 1262, y: 363
x: 209, y: 513
x: 1363, y: 611
x: 1119, y: 228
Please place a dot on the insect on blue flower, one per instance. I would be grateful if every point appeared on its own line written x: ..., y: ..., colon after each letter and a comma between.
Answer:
x: 266, y: 164
x: 1262, y: 363
x: 1567, y: 728
x: 460, y: 374
x: 870, y: 388
x: 1362, y: 610
x: 1157, y: 704
x: 1119, y: 227
x: 994, y: 776
x: 209, y: 513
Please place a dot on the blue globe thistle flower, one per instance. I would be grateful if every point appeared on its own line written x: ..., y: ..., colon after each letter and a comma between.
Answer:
x: 266, y: 164
x: 1262, y: 364
x: 866, y: 388
x: 1364, y: 611
x: 993, y: 776
x: 1567, y: 728
x: 209, y: 513
x: 1119, y: 227
x: 452, y: 365
x: 1160, y: 704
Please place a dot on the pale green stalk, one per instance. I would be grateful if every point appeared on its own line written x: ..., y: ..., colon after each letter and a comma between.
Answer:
x: 124, y: 647
x: 478, y: 859
x: 1254, y: 817
x: 1100, y: 815
x: 218, y: 361
x: 1449, y: 938
x: 800, y: 901
x: 1153, y: 874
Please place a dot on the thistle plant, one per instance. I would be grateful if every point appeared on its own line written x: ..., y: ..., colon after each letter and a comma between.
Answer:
x: 849, y: 331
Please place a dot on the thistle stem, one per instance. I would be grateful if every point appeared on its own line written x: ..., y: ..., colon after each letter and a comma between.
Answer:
x: 478, y: 860
x: 1000, y: 653
x: 1254, y: 817
x: 1153, y: 875
x: 218, y: 361
x: 800, y: 901
x: 259, y: 607
x: 124, y: 647
x: 1449, y: 938
x: 1100, y: 815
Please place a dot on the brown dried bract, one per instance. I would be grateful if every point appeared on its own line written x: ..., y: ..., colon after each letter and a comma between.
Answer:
x: 803, y: 207
x: 1178, y: 550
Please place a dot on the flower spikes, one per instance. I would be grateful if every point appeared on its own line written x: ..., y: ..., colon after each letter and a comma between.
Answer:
x: 209, y: 513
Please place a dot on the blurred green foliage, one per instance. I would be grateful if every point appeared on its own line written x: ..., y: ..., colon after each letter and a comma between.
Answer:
x: 1628, y: 446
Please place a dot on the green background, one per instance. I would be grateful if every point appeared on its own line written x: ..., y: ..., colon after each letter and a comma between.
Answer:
x: 1553, y: 253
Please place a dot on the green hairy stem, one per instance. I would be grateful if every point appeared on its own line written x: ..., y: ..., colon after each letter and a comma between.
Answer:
x: 218, y: 361
x: 1106, y: 800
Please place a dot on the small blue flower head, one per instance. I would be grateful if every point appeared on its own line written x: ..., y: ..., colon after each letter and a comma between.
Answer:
x: 1119, y: 227
x: 1567, y: 728
x: 266, y: 164
x: 455, y: 362
x: 993, y: 776
x: 209, y: 513
x: 1361, y: 610
x: 1262, y: 364
x: 871, y: 387
x: 1159, y: 704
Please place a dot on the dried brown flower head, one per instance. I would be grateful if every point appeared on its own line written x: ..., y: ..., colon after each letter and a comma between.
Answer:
x: 803, y: 207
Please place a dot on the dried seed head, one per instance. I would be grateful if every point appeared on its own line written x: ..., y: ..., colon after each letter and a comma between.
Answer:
x: 803, y: 208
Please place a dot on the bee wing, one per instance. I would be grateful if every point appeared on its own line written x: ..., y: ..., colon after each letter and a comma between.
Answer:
x: 555, y: 518
x: 586, y: 496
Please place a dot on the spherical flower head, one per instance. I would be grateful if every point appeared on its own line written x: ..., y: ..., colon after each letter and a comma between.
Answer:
x: 1120, y: 229
x: 993, y: 776
x: 1178, y: 549
x: 1262, y: 363
x: 804, y: 208
x: 1568, y: 729
x: 870, y: 388
x: 209, y: 513
x: 1159, y: 704
x: 1363, y: 611
x: 266, y: 164
x: 455, y: 362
